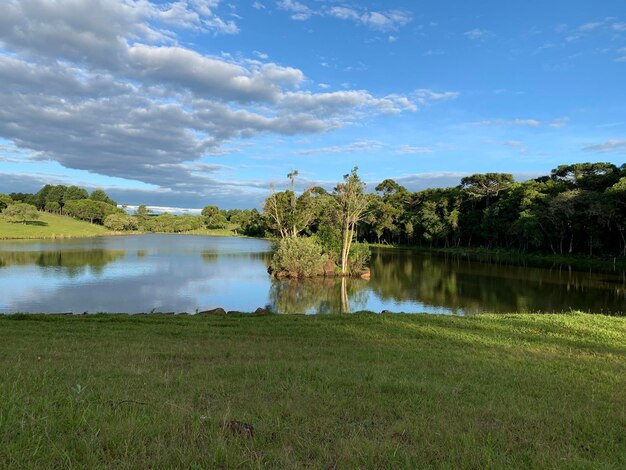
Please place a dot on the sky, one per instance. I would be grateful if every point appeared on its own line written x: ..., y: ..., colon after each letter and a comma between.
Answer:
x: 197, y: 102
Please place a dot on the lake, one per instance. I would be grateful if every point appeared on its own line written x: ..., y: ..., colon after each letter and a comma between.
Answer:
x: 180, y: 273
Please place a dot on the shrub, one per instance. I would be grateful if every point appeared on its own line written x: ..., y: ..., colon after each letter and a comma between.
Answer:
x: 300, y: 257
x: 359, y: 257
x: 120, y: 222
x: 20, y: 212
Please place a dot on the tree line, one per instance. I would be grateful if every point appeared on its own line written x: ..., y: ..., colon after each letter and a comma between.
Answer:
x: 576, y: 209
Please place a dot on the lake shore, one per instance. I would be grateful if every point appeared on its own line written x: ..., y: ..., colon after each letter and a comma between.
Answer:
x: 517, y: 258
x: 349, y: 391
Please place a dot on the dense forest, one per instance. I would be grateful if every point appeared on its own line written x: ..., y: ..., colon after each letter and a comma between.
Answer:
x: 577, y: 209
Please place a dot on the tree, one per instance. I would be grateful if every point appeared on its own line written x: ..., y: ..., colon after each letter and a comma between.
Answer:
x: 213, y: 218
x: 20, y: 212
x: 5, y: 201
x: 351, y: 203
x: 487, y: 185
x: 86, y: 209
x: 592, y: 176
x: 120, y: 222
x: 100, y: 195
x: 53, y: 207
x: 74, y: 193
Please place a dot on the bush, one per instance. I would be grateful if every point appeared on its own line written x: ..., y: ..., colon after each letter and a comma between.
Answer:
x: 359, y: 257
x: 300, y: 257
x: 120, y: 222
x: 20, y: 212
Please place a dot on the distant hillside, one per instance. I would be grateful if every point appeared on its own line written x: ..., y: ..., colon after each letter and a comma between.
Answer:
x: 51, y: 226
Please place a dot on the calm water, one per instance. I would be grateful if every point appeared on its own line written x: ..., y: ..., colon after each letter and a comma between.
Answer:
x: 170, y: 273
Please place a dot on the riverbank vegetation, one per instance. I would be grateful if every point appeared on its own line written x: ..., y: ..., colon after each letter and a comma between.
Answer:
x: 347, y: 391
x: 329, y: 250
x: 577, y: 209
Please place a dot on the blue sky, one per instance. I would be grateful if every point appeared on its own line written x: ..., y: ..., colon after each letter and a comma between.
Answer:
x: 198, y: 102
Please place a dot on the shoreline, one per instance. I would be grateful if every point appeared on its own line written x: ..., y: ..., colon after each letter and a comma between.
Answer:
x: 514, y: 257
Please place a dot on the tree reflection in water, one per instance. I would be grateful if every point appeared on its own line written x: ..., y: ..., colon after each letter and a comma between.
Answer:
x: 471, y: 286
x: 71, y: 262
x: 318, y: 295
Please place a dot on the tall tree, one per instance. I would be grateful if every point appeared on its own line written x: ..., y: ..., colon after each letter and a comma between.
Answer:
x: 351, y: 203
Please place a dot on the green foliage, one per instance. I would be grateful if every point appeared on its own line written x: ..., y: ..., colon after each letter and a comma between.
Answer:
x: 168, y: 223
x: 101, y: 196
x: 5, y: 201
x: 86, y: 209
x: 20, y: 212
x: 74, y: 193
x: 213, y: 218
x: 52, y: 206
x: 359, y: 257
x: 298, y: 256
x: 252, y: 223
x: 120, y: 222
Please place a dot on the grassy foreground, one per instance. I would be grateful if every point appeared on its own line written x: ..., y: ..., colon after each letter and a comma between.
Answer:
x: 359, y: 391
x: 51, y: 226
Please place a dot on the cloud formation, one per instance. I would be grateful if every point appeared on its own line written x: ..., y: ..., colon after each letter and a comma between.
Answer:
x: 608, y: 146
x: 384, y: 20
x: 359, y: 146
x: 124, y: 99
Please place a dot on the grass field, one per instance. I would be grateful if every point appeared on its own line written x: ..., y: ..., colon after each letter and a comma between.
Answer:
x: 51, y: 226
x: 345, y: 391
x: 229, y: 231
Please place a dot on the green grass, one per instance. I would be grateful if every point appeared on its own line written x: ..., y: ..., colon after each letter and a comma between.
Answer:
x: 51, y: 226
x: 355, y: 391
x: 229, y: 231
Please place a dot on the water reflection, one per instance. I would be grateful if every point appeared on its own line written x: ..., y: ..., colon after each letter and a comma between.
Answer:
x: 463, y: 285
x: 72, y: 262
x: 189, y: 273
x: 319, y: 295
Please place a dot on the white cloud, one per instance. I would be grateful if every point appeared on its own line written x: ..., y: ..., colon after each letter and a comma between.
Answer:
x: 516, y: 144
x: 258, y: 6
x: 412, y: 150
x: 478, y: 34
x: 359, y: 146
x: 621, y: 27
x: 209, y: 76
x: 559, y: 122
x: 587, y: 27
x: 425, y: 96
x: 388, y: 20
x: 299, y: 11
x: 106, y: 87
x: 608, y: 146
